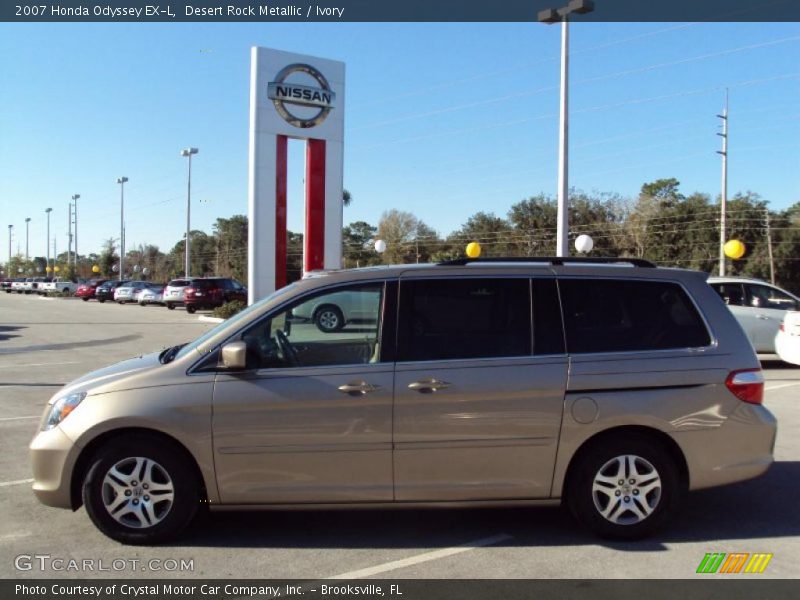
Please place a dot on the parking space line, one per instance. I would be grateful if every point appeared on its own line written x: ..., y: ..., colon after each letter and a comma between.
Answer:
x: 420, y: 558
x: 17, y: 482
x: 19, y: 418
x: 50, y: 364
x: 781, y: 386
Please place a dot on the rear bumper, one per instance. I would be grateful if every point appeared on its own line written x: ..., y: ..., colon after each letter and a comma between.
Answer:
x: 53, y: 457
x: 740, y: 449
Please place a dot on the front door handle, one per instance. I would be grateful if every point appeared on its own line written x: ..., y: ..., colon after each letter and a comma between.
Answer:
x: 358, y: 388
x: 763, y: 317
x: 428, y: 385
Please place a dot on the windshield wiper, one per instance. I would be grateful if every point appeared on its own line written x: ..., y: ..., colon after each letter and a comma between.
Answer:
x: 169, y: 354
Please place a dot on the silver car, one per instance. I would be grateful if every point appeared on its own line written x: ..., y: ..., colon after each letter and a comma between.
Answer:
x: 612, y: 388
x: 758, y: 306
x: 128, y: 292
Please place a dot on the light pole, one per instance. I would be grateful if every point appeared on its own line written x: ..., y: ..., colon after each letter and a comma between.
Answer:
x: 723, y: 199
x: 27, y: 229
x: 549, y: 16
x: 121, y: 181
x: 48, y: 211
x: 75, y: 209
x: 188, y: 152
x: 10, y: 227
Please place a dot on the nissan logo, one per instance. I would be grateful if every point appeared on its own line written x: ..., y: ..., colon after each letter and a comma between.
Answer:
x: 282, y: 94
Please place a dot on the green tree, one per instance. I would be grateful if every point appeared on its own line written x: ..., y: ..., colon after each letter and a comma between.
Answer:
x: 357, y: 244
x: 534, y: 222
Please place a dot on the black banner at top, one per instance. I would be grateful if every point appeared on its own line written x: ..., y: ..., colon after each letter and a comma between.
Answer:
x: 276, y: 11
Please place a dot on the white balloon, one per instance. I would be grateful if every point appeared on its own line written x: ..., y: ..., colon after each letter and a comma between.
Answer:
x: 380, y: 246
x: 584, y: 243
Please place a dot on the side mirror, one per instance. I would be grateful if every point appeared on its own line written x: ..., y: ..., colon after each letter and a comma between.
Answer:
x: 234, y: 356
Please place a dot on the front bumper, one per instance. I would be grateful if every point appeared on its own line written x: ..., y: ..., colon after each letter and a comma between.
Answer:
x: 53, y: 457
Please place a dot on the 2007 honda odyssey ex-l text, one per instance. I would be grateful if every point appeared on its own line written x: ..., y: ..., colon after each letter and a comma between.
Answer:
x: 606, y: 384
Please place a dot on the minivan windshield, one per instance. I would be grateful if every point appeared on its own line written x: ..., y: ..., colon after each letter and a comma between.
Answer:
x: 232, y: 321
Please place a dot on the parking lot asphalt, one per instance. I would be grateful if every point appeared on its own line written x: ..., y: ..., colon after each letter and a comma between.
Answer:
x: 46, y: 343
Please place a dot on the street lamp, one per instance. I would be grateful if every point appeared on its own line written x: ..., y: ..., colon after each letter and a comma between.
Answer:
x: 121, y: 181
x: 188, y: 152
x: 10, y: 227
x: 75, y: 204
x: 549, y: 16
x: 48, y: 211
x: 27, y: 228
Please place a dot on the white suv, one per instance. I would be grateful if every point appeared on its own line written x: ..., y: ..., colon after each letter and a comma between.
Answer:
x: 758, y: 306
x: 173, y: 293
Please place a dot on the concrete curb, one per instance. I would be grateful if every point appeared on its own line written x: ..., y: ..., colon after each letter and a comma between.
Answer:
x: 206, y: 319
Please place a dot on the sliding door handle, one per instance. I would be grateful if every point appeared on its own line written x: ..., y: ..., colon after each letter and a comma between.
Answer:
x: 358, y: 388
x: 427, y: 386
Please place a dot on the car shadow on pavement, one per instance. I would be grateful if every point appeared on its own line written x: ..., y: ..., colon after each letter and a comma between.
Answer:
x: 761, y: 508
x: 5, y: 329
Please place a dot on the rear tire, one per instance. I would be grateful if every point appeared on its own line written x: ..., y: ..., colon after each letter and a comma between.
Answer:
x: 170, y: 306
x: 650, y: 491
x: 101, y: 300
x: 143, y: 515
x: 85, y: 299
x: 191, y: 309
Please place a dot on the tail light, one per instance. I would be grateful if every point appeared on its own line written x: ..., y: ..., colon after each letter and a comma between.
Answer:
x: 782, y: 327
x: 747, y: 385
x: 188, y: 290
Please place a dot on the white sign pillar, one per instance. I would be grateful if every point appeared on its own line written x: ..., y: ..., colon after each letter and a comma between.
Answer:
x: 300, y: 97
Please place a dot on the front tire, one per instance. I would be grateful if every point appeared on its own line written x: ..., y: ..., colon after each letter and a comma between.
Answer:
x: 191, y: 309
x: 329, y: 319
x: 141, y: 489
x: 624, y: 488
x: 170, y: 306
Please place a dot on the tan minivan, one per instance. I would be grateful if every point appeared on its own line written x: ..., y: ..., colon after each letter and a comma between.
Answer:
x: 611, y: 385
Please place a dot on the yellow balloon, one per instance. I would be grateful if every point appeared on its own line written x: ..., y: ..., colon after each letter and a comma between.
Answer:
x: 95, y: 269
x: 734, y: 249
x: 473, y: 249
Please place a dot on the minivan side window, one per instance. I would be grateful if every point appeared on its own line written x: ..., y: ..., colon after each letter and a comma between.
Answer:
x: 446, y: 319
x: 337, y: 327
x: 605, y: 315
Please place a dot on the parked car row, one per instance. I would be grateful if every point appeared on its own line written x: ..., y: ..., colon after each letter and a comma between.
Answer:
x: 194, y: 293
x: 38, y: 285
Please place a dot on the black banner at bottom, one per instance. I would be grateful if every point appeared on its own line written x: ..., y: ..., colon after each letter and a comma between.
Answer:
x: 733, y: 588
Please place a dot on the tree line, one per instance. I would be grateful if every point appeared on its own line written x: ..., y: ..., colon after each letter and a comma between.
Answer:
x: 661, y: 224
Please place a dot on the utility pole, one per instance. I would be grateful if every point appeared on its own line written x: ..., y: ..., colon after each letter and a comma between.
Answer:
x: 553, y: 15
x: 69, y: 233
x: 27, y: 230
x: 121, y: 181
x: 75, y: 212
x: 769, y: 250
x: 724, y: 195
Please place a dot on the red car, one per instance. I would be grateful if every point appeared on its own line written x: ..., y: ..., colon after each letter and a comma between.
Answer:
x: 210, y: 292
x: 88, y: 289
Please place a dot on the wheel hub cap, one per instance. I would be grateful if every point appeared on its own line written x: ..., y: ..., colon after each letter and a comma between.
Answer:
x: 626, y: 490
x: 138, y: 492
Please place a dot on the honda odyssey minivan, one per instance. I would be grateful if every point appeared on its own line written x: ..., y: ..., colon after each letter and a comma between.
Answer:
x: 609, y: 385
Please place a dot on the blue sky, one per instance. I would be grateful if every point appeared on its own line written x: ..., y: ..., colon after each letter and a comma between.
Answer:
x: 442, y: 120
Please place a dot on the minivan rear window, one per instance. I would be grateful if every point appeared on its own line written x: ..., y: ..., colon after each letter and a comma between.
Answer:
x: 606, y: 315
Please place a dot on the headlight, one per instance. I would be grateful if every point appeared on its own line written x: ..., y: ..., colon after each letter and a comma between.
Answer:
x: 60, y: 408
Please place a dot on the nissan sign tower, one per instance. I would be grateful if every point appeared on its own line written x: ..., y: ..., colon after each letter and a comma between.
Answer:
x: 301, y: 97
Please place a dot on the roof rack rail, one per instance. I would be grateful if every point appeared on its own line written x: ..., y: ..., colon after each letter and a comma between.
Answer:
x: 554, y: 260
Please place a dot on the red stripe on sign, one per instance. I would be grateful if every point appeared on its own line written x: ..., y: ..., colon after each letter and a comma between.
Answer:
x: 280, y: 211
x: 314, y: 251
